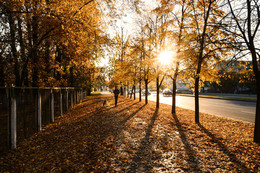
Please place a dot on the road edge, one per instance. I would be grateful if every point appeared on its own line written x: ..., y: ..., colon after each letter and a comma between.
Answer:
x: 221, y: 97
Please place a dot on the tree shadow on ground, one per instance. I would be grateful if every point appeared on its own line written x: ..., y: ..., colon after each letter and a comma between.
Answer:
x: 100, y: 100
x: 93, y: 103
x: 101, y: 127
x: 192, y: 160
x: 225, y: 149
x: 90, y: 98
x: 132, y: 115
x: 126, y: 108
x: 142, y: 161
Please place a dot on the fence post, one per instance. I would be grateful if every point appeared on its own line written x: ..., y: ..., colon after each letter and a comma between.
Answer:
x: 52, y: 106
x: 71, y: 98
x: 67, y: 99
x: 13, y: 115
x: 80, y: 95
x: 39, y: 111
x: 61, y: 102
x: 75, y: 97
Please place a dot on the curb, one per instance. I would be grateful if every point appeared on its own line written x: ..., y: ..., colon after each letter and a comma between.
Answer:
x: 220, y: 97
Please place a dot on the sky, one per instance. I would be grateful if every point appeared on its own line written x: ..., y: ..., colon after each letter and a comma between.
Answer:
x: 128, y: 21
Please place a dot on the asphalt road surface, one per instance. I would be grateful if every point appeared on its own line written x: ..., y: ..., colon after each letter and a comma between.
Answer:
x: 239, y: 110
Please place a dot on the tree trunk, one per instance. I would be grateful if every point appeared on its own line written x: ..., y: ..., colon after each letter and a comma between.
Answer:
x: 71, y: 78
x: 35, y: 59
x: 157, y: 93
x: 14, y: 50
x: 257, y: 77
x: 25, y: 73
x: 121, y: 90
x: 140, y: 91
x: 58, y: 59
x: 134, y: 92
x: 197, y: 99
x: 127, y: 90
x: 89, y: 90
x: 26, y: 77
x: 197, y: 79
x: 146, y: 91
x: 2, y: 75
x: 257, y: 115
x: 174, y: 80
x: 89, y: 84
x: 124, y: 90
x: 47, y: 62
x: 174, y: 96
x: 22, y: 47
x: 200, y: 59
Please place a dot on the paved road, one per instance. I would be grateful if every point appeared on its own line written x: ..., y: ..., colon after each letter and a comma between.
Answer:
x: 240, y: 110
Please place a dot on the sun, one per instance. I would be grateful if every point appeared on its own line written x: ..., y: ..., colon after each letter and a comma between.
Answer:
x: 166, y: 57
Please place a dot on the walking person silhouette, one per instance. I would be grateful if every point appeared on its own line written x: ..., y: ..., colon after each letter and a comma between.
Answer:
x: 116, y: 93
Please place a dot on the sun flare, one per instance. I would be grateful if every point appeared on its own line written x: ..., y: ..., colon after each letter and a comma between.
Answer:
x: 166, y: 57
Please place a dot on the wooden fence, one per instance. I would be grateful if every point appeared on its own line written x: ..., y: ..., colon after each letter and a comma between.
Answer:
x: 24, y: 111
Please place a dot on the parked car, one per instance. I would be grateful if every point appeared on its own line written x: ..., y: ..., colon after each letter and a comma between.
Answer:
x: 183, y: 90
x: 167, y: 92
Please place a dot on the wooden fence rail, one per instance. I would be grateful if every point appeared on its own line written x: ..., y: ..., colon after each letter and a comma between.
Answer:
x: 23, y: 111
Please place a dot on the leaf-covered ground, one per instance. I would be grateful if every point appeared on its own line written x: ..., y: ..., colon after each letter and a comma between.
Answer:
x: 134, y: 137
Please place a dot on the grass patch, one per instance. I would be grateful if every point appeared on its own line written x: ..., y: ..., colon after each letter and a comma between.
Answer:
x: 95, y: 93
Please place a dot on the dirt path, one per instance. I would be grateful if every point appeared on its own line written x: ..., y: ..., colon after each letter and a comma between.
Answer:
x: 135, y: 137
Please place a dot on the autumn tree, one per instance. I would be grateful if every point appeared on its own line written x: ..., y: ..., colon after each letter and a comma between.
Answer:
x: 46, y: 41
x: 178, y: 15
x: 207, y: 41
x: 244, y: 24
x: 155, y: 40
x: 138, y: 51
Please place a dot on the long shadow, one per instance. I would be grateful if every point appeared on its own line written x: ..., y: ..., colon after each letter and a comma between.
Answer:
x: 100, y: 101
x: 232, y: 156
x: 190, y: 152
x: 94, y: 112
x: 122, y: 102
x: 109, y: 108
x: 93, y: 103
x: 140, y: 161
x: 90, y: 98
x: 132, y: 115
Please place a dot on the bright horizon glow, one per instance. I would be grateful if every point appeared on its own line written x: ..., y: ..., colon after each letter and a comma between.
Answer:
x: 166, y: 57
